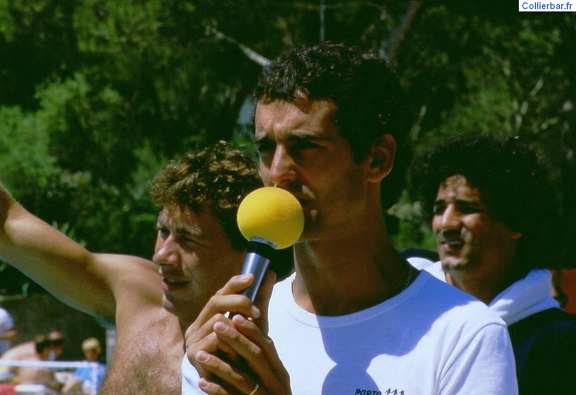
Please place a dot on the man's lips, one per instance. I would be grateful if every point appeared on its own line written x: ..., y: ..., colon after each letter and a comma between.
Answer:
x: 172, y: 283
x: 453, y: 244
x: 302, y: 193
x: 299, y: 196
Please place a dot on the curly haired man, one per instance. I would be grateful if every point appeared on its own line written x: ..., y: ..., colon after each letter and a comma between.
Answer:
x: 198, y: 248
x: 495, y: 221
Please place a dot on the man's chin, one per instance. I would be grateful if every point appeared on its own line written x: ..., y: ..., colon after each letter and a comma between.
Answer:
x: 169, y: 305
x: 453, y: 263
x: 179, y: 308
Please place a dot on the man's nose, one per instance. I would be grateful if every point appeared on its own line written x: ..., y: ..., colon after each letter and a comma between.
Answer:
x: 282, y: 168
x: 449, y: 219
x: 167, y: 252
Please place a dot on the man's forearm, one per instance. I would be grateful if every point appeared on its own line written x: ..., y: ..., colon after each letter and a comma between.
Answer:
x: 6, y: 202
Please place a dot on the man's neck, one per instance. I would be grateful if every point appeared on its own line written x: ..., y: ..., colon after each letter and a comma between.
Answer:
x: 483, y: 289
x: 339, y: 277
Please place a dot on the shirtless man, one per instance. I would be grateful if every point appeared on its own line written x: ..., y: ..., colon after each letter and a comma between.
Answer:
x: 29, y: 349
x: 36, y: 374
x: 198, y: 248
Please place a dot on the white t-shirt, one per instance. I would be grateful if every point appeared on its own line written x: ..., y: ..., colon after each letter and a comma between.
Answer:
x: 525, y: 297
x: 430, y: 339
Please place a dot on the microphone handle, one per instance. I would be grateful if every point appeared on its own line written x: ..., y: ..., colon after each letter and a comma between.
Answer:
x: 257, y: 261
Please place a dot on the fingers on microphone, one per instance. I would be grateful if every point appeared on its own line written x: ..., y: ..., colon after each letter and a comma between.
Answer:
x: 223, y: 374
x: 227, y: 306
x: 245, y: 338
x: 237, y: 284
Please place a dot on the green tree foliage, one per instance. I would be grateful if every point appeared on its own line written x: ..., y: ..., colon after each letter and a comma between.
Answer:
x: 96, y: 95
x: 27, y: 165
x: 474, y: 69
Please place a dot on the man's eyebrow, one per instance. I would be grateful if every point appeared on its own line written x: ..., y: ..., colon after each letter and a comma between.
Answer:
x: 468, y: 202
x: 306, y: 135
x: 183, y: 230
x: 461, y: 203
x: 455, y: 201
x: 473, y: 204
x: 299, y: 135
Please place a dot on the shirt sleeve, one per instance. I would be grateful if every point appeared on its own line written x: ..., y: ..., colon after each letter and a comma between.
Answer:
x: 485, y: 366
x: 190, y: 378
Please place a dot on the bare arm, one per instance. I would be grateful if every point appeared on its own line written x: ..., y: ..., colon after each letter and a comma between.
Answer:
x: 10, y: 334
x: 78, y: 277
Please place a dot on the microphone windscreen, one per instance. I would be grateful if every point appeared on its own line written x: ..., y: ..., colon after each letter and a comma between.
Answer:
x: 272, y: 214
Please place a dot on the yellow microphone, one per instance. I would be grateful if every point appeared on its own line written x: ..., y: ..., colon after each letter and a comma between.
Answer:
x: 270, y: 218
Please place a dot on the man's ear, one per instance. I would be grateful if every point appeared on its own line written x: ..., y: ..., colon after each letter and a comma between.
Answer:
x: 381, y: 158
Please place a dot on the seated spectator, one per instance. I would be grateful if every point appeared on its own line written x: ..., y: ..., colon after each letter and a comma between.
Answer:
x: 86, y: 380
x: 19, y: 352
x: 42, y: 348
x: 38, y: 374
x: 7, y: 334
x: 58, y: 344
x: 7, y: 330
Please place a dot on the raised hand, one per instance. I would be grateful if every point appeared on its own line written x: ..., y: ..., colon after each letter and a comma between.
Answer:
x: 229, y: 347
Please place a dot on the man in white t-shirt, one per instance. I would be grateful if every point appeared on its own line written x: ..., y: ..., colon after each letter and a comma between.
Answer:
x: 356, y: 318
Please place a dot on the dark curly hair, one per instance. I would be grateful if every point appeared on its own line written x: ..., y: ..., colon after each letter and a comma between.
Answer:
x: 216, y: 177
x: 366, y: 91
x: 514, y: 183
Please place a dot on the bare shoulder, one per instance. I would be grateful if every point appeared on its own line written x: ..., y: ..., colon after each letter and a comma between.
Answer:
x: 149, y: 344
x: 129, y: 275
x: 119, y: 263
x: 22, y: 351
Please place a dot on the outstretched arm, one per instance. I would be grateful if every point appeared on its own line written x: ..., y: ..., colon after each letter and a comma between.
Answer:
x: 10, y: 334
x: 78, y: 277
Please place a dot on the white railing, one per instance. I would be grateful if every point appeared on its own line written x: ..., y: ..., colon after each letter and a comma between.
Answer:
x: 59, y: 365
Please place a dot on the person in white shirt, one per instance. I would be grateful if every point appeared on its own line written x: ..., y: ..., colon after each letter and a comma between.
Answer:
x: 493, y: 215
x: 355, y: 318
